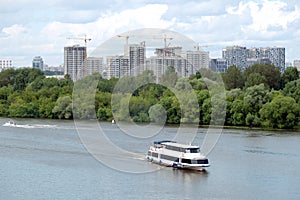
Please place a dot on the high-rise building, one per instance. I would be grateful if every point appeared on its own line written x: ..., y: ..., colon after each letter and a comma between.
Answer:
x: 5, y: 64
x: 137, y: 57
x: 117, y: 66
x: 196, y: 60
x: 297, y: 64
x: 272, y: 55
x: 166, y: 57
x: 75, y: 61
x: 38, y: 63
x: 235, y: 55
x: 94, y: 65
x: 243, y: 57
x: 218, y: 65
x: 252, y: 61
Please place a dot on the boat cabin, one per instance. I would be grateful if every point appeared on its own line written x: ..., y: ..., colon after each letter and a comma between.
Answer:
x: 171, y: 145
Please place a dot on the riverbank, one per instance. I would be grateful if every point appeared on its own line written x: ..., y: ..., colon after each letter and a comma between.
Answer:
x: 297, y: 129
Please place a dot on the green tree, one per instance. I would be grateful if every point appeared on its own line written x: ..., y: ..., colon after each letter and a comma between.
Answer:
x: 25, y: 76
x: 270, y: 72
x: 255, y: 97
x: 255, y: 79
x: 157, y: 113
x: 292, y: 89
x: 63, y: 107
x: 7, y: 77
x: 290, y: 74
x: 231, y: 96
x: 238, y: 112
x: 233, y: 78
x: 169, y: 78
x: 281, y: 112
x: 23, y: 109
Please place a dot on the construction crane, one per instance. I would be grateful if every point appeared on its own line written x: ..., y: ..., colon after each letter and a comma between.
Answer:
x: 126, y: 48
x: 198, y: 46
x: 165, y: 38
x: 85, y: 39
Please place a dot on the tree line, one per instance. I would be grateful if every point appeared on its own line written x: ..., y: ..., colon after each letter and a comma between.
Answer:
x: 260, y: 96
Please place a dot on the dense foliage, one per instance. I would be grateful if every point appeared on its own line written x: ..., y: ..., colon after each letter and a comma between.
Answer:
x: 258, y: 97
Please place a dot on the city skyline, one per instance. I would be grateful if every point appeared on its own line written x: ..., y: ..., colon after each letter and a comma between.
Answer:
x: 217, y: 24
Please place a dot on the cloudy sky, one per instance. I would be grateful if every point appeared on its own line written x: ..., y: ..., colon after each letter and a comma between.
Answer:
x: 34, y: 27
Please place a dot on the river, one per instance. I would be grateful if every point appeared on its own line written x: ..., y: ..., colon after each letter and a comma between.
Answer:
x: 45, y: 159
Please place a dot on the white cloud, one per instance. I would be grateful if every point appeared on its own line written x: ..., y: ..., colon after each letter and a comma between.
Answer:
x: 268, y: 15
x: 50, y: 39
x: 109, y: 25
x: 227, y: 22
x: 14, y: 30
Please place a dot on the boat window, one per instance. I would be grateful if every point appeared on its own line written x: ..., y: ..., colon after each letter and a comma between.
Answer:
x: 155, y: 154
x: 169, y: 158
x: 188, y: 161
x: 202, y: 161
x: 173, y: 148
x: 193, y: 150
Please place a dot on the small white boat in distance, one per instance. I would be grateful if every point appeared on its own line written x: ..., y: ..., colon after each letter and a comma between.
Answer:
x: 10, y: 123
x: 172, y: 154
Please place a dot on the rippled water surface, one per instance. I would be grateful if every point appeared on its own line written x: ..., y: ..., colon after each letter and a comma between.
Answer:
x: 45, y: 159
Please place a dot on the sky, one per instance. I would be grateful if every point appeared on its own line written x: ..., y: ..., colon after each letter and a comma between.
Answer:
x: 31, y: 28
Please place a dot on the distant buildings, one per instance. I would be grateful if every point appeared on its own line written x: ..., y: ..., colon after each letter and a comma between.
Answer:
x: 243, y: 57
x: 235, y: 55
x: 218, y: 65
x: 5, y: 64
x: 74, y: 61
x: 196, y: 60
x: 133, y: 62
x: 94, y: 65
x: 297, y: 64
x: 37, y: 62
x: 137, y: 59
x: 117, y: 66
x: 165, y: 57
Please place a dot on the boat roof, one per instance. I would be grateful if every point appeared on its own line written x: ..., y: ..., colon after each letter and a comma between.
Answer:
x: 175, y: 144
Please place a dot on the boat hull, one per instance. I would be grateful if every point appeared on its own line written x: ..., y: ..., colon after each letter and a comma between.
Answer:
x: 167, y: 163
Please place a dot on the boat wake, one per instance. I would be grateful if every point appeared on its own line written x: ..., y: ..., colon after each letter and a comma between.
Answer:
x: 9, y: 124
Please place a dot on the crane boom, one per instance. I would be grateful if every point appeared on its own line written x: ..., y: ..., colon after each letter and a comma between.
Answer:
x: 85, y: 39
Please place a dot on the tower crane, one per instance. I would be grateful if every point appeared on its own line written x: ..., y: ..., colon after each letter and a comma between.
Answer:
x: 198, y: 46
x: 126, y: 49
x: 85, y: 39
x: 165, y: 38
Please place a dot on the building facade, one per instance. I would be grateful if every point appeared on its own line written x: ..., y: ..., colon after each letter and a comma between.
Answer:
x: 94, y: 65
x: 218, y: 65
x: 197, y: 60
x: 117, y: 66
x: 243, y: 57
x: 166, y: 57
x: 37, y: 62
x: 137, y: 58
x: 297, y: 64
x: 75, y: 61
x: 272, y: 55
x: 235, y: 55
x: 5, y: 64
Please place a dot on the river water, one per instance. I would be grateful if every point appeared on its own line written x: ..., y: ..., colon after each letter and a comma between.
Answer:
x: 45, y: 159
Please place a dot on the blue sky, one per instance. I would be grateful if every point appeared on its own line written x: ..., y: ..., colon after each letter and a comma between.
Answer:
x: 33, y: 27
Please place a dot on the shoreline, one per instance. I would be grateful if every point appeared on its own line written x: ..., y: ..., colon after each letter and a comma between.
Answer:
x: 175, y: 125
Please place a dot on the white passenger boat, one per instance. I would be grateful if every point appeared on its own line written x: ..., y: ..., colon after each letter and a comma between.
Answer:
x: 170, y: 153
